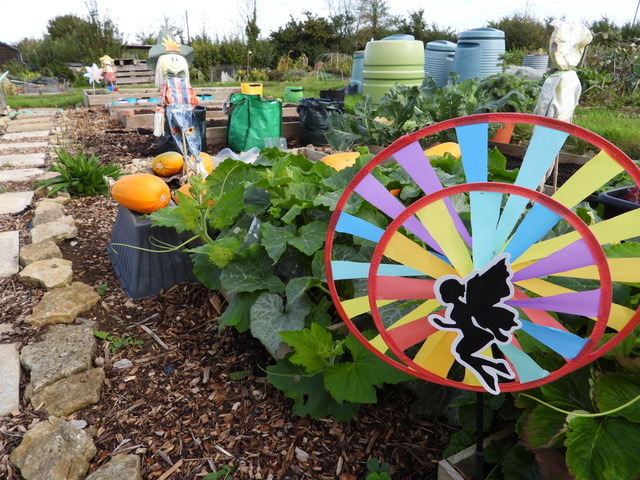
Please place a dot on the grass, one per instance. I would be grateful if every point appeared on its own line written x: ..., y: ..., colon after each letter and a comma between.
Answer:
x: 620, y: 129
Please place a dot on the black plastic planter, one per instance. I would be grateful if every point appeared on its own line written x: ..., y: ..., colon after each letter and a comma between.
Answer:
x: 141, y: 273
x: 613, y: 204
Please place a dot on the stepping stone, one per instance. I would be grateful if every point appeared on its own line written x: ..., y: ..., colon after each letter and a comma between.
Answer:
x: 63, y: 305
x: 22, y: 160
x: 55, y: 231
x: 21, y: 127
x: 63, y: 351
x: 70, y: 394
x: 20, y: 175
x: 48, y: 274
x: 10, y: 375
x: 35, y: 252
x: 8, y: 146
x: 23, y: 135
x: 9, y: 253
x: 14, y: 202
x: 123, y: 466
x: 54, y: 449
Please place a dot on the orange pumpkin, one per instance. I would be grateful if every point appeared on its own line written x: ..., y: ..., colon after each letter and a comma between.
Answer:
x: 167, y: 164
x: 207, y: 161
x: 186, y: 189
x: 141, y: 192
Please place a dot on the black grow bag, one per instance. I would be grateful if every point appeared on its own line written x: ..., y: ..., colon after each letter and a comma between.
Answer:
x: 313, y: 114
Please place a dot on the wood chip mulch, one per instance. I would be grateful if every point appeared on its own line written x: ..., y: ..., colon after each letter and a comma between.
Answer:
x: 178, y: 406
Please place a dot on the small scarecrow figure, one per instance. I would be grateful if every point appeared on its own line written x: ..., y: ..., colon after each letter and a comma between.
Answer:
x: 561, y: 90
x: 170, y: 60
x: 109, y: 70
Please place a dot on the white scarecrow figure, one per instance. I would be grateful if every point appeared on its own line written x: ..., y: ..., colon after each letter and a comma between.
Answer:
x: 171, y: 60
x: 561, y: 91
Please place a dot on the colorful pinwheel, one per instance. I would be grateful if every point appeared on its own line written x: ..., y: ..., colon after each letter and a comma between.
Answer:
x: 486, y: 286
x: 93, y: 74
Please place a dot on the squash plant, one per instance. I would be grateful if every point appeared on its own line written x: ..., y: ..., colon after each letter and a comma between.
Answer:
x: 262, y: 229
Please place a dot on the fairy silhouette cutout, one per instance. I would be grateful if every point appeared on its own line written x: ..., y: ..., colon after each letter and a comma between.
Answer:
x: 475, y: 310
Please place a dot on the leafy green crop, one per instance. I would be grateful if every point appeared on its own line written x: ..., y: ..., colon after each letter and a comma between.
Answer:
x: 80, y: 176
x: 405, y: 109
x: 262, y: 229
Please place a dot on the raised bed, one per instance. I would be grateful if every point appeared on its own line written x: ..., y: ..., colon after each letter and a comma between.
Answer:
x: 145, y: 120
x: 103, y: 97
x: 219, y: 134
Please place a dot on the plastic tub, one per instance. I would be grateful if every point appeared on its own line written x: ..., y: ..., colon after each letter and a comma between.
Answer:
x: 293, y: 94
x: 251, y: 88
x: 131, y: 100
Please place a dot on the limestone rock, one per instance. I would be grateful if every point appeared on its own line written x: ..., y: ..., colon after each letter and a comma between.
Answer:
x: 57, y: 232
x: 51, y: 273
x: 63, y: 351
x: 54, y: 450
x: 70, y: 394
x: 62, y: 198
x: 39, y: 251
x: 47, y: 212
x: 63, y: 305
x: 122, y: 467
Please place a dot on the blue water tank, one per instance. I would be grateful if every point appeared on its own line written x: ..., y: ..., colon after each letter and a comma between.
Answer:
x: 438, y: 60
x: 400, y: 36
x: 479, y: 53
x: 356, y: 71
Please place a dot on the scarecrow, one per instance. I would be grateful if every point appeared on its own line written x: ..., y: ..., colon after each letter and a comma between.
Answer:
x: 109, y: 70
x: 171, y: 60
x: 561, y: 90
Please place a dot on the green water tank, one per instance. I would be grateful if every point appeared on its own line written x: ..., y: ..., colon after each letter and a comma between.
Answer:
x: 395, y: 59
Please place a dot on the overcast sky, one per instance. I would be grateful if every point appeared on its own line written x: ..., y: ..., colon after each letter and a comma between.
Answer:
x: 223, y: 17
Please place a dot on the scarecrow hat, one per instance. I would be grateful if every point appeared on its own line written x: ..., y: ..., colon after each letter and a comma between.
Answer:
x: 168, y: 44
x: 106, y: 59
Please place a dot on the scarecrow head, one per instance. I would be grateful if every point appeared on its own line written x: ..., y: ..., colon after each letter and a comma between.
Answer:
x: 169, y: 58
x: 567, y: 43
x: 106, y: 60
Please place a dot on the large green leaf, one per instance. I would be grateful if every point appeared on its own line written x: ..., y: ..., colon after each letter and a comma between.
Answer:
x: 314, y: 348
x: 520, y: 463
x: 543, y: 427
x: 599, y: 449
x: 269, y: 317
x: 616, y: 389
x: 308, y: 392
x: 250, y: 271
x: 355, y: 381
x: 182, y: 217
x: 219, y: 252
x: 298, y: 286
x: 205, y: 272
x: 310, y: 237
x: 237, y: 313
x: 275, y: 239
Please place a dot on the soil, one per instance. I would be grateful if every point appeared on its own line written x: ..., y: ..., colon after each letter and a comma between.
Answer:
x: 183, y: 407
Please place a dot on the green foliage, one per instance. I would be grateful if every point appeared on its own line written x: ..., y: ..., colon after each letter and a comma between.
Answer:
x: 115, y: 342
x: 415, y: 24
x: 263, y: 228
x: 611, y: 73
x: 224, y: 473
x: 80, y: 176
x: 377, y: 470
x: 523, y: 31
x: 405, y: 109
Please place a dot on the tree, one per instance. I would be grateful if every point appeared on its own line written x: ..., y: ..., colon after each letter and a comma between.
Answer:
x: 311, y: 37
x: 415, y: 24
x: 522, y: 31
x: 376, y: 17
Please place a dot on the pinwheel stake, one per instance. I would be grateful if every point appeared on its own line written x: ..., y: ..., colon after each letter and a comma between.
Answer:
x: 93, y: 74
x: 474, y: 290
